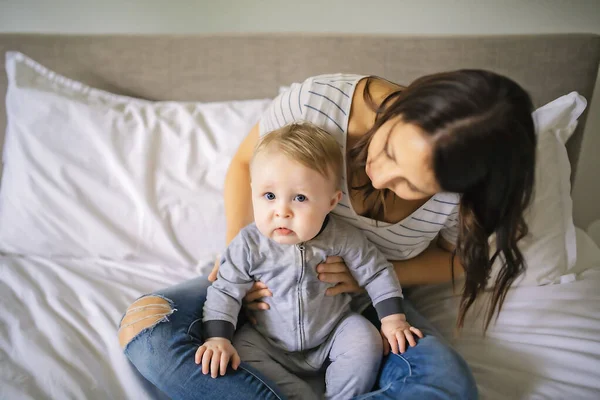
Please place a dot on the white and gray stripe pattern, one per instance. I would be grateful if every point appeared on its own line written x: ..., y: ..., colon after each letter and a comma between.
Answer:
x: 325, y: 101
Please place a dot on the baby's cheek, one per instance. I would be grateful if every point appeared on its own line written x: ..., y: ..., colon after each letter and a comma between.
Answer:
x: 262, y: 227
x: 310, y: 229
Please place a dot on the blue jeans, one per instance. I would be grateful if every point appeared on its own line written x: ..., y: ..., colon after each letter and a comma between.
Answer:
x: 164, y: 355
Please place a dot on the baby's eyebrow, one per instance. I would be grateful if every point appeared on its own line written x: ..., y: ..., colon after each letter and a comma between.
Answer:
x: 303, y: 188
x: 264, y: 184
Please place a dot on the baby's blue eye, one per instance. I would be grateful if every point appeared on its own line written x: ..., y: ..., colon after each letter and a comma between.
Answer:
x: 301, y: 198
x: 269, y: 196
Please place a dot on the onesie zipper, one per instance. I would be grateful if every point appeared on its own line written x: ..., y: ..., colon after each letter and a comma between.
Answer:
x: 301, y: 248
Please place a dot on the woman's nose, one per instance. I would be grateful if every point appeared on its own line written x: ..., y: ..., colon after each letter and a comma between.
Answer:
x: 381, y: 175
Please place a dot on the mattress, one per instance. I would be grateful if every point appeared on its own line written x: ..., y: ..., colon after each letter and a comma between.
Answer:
x: 545, y: 343
x: 58, y: 325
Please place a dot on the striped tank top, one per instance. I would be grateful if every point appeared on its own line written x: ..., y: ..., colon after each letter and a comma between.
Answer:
x: 325, y: 101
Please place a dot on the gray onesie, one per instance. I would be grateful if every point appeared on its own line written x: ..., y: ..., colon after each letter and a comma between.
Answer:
x: 304, y: 328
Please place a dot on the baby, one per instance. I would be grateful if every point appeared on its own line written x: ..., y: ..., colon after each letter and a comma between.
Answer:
x: 296, y: 173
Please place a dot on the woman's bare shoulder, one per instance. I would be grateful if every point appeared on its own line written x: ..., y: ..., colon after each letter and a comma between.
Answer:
x: 362, y: 114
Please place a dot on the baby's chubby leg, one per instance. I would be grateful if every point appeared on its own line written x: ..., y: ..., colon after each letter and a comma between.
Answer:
x: 356, y: 354
x: 255, y: 351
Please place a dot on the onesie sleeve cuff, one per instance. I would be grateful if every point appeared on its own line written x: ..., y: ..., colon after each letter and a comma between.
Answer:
x: 218, y: 328
x: 390, y: 306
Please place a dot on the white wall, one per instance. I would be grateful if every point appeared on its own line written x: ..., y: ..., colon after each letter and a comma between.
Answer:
x: 377, y: 16
x: 359, y: 16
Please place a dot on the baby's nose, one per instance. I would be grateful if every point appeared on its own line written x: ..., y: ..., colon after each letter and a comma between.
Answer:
x: 283, y: 211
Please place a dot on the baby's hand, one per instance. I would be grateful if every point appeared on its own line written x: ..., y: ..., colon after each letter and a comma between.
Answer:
x: 215, y: 354
x: 397, y: 331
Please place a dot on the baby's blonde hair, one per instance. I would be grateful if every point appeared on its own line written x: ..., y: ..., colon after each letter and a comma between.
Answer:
x: 309, y: 145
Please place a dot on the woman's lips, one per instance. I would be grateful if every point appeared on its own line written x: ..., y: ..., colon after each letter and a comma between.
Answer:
x: 283, y: 231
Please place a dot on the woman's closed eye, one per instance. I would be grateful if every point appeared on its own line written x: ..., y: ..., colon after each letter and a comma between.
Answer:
x: 388, y: 153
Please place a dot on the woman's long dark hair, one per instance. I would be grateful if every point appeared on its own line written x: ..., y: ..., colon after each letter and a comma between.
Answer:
x: 484, y: 147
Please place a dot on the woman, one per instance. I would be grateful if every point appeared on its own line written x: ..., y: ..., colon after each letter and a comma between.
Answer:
x: 409, y: 153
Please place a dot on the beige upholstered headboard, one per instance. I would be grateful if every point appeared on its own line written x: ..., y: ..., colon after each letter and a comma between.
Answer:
x: 226, y: 67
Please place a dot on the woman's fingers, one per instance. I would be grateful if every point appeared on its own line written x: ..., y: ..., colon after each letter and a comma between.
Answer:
x: 257, y: 306
x: 258, y: 285
x: 335, y: 277
x: 332, y: 264
x: 335, y: 271
x: 344, y: 283
x: 339, y: 289
x: 213, y: 274
x: 257, y: 294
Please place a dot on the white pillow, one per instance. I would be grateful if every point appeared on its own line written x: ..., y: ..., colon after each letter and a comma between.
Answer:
x: 550, y: 248
x: 91, y: 174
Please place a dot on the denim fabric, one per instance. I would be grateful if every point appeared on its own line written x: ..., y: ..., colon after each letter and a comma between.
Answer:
x: 164, y: 355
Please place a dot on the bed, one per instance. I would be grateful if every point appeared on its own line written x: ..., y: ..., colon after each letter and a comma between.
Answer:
x: 78, y: 245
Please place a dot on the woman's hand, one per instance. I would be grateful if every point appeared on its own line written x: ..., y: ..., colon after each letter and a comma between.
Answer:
x: 252, y: 300
x: 334, y: 270
x: 215, y: 354
x: 215, y: 271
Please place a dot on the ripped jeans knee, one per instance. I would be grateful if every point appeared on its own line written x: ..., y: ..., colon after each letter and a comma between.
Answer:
x: 145, y: 313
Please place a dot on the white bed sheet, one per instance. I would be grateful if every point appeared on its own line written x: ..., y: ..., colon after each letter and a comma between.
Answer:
x: 546, y: 341
x: 58, y: 323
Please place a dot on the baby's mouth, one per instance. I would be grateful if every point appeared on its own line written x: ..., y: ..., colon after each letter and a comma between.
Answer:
x: 283, y: 231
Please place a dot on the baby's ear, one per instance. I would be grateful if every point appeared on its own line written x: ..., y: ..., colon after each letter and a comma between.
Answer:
x: 335, y: 199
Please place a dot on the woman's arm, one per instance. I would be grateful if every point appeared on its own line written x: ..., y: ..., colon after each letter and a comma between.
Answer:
x: 238, y: 196
x: 430, y: 267
x: 238, y: 210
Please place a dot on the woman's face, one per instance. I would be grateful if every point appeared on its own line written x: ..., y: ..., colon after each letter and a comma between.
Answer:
x: 399, y: 159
